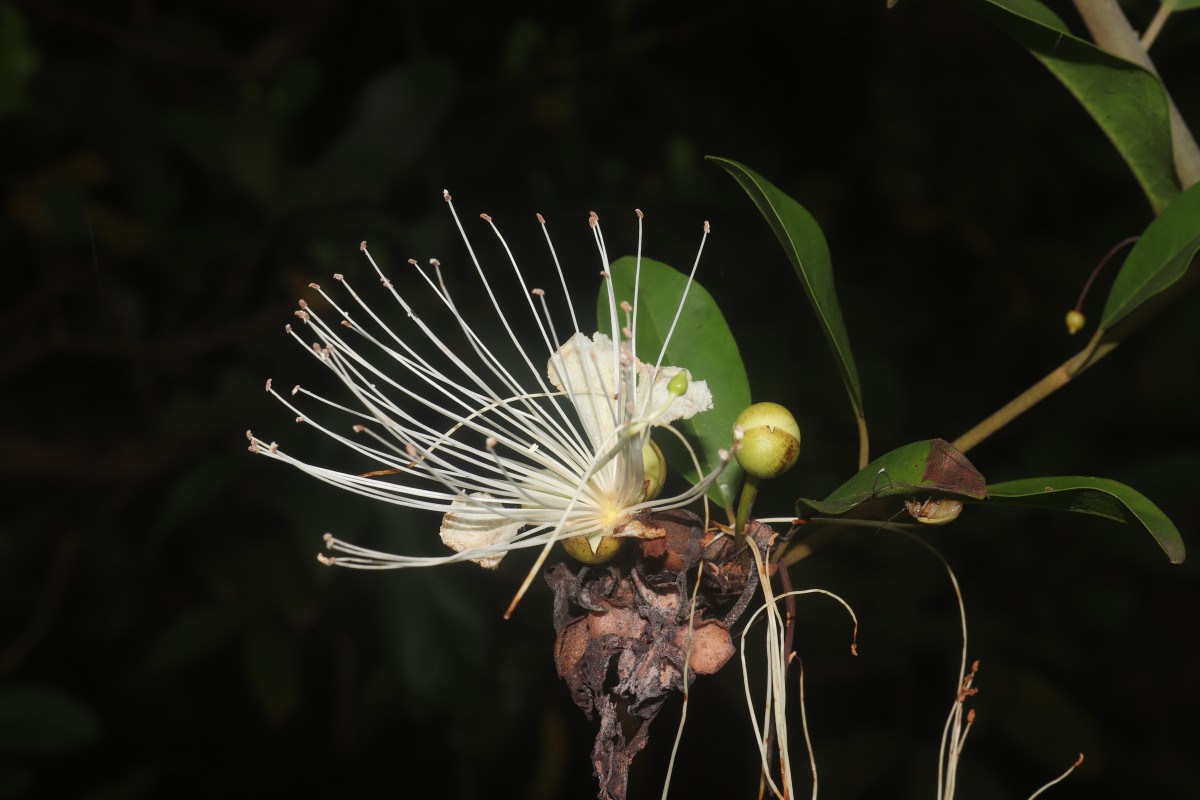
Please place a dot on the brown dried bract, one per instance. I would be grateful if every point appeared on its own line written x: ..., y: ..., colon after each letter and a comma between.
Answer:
x: 623, y: 632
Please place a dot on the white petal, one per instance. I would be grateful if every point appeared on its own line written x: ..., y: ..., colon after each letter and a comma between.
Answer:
x: 587, y: 377
x: 467, y: 526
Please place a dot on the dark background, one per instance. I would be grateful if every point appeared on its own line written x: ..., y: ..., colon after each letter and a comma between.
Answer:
x: 173, y: 176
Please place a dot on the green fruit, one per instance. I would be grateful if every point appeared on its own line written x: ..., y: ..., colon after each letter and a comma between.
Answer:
x: 770, y: 440
x: 580, y: 548
x: 654, y: 466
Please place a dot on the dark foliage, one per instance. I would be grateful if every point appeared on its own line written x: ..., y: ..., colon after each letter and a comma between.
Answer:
x: 173, y: 175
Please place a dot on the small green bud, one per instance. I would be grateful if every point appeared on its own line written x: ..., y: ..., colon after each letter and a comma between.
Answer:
x: 1075, y: 321
x: 679, y: 384
x: 654, y: 467
x: 770, y: 440
x: 580, y: 548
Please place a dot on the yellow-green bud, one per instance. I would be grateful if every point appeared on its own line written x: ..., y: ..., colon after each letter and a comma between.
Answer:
x: 679, y: 384
x: 770, y: 440
x: 654, y: 467
x: 1075, y: 321
x: 580, y: 548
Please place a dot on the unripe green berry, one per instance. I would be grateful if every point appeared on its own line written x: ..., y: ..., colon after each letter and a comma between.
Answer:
x: 580, y: 549
x: 770, y: 440
x: 654, y: 467
x: 654, y: 472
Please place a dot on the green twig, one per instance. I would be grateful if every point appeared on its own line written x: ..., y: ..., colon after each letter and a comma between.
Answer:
x: 1096, y: 349
x: 1112, y: 32
x: 864, y: 445
x: 1165, y: 9
x: 745, y: 504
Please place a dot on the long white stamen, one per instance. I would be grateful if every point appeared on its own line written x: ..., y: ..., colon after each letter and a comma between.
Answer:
x: 637, y: 282
x: 525, y: 462
x: 558, y: 267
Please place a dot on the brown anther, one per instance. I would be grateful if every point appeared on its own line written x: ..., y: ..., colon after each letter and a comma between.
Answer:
x: 971, y: 717
x: 337, y: 276
x: 303, y: 303
x: 362, y: 246
x: 295, y: 390
x: 707, y: 227
x: 540, y: 219
x: 314, y: 285
x: 446, y: 195
x: 274, y: 448
x: 328, y: 561
x: 603, y: 273
x: 626, y: 307
x: 593, y: 219
x: 385, y: 283
x: 287, y: 328
x: 639, y: 213
x: 433, y: 262
x: 267, y: 388
x: 412, y: 261
x: 300, y: 314
x: 346, y: 324
x: 299, y: 419
x: 359, y: 428
x: 491, y: 443
x: 537, y: 293
x: 485, y: 217
x: 250, y: 435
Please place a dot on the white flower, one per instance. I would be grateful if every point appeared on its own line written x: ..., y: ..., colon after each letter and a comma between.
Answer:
x: 511, y: 457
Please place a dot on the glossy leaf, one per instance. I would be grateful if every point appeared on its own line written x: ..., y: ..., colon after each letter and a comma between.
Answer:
x: 703, y: 343
x: 1096, y: 496
x: 805, y: 247
x: 932, y: 466
x: 1125, y: 100
x: 1158, y: 260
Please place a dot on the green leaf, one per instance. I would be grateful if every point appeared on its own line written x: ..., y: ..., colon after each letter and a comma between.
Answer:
x: 702, y: 343
x: 1183, y: 5
x: 1159, y: 259
x: 1100, y: 497
x: 1127, y: 102
x: 44, y: 721
x: 18, y: 59
x: 932, y: 465
x: 805, y: 246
